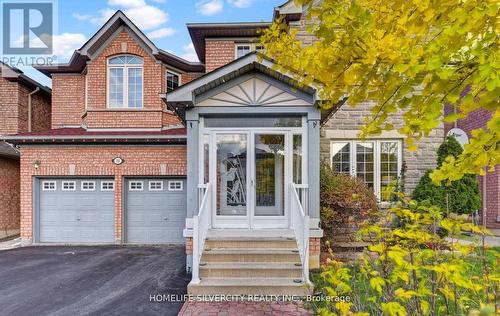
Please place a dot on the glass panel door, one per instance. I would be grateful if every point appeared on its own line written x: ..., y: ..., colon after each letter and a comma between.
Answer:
x: 231, y: 175
x: 269, y: 174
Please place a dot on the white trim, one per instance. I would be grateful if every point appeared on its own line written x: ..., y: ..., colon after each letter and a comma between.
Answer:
x: 175, y: 184
x: 123, y: 129
x: 125, y: 69
x: 108, y: 182
x: 68, y: 189
x: 49, y: 183
x: 135, y: 183
x: 155, y: 182
x: 88, y: 183
x: 376, y: 158
x: 252, y: 45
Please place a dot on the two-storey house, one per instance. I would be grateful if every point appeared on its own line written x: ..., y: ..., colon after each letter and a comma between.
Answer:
x: 221, y: 155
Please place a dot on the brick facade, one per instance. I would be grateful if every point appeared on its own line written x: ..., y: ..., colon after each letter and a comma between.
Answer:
x: 314, y: 252
x: 14, y: 108
x: 218, y: 53
x: 478, y: 119
x: 82, y: 99
x: 68, y: 100
x: 9, y: 197
x: 95, y: 161
x: 14, y: 118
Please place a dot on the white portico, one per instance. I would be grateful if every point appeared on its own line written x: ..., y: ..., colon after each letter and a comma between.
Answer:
x: 253, y: 171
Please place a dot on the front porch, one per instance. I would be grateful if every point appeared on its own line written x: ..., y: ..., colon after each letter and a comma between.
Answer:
x: 253, y: 180
x: 232, y: 261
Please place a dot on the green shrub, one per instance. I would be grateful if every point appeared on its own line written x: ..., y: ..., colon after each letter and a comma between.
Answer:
x: 345, y: 202
x: 461, y: 196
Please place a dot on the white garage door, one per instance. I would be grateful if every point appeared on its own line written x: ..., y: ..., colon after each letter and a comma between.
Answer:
x: 76, y: 211
x: 155, y: 210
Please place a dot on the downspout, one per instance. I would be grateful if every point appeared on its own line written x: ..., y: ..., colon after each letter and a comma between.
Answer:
x: 29, y: 107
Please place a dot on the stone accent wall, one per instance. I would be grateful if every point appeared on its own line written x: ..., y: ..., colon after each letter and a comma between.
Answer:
x: 218, y: 54
x: 9, y: 197
x: 95, y: 161
x: 352, y: 119
x: 478, y: 119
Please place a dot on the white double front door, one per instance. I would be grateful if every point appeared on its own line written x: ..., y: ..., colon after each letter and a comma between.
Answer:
x: 251, y: 172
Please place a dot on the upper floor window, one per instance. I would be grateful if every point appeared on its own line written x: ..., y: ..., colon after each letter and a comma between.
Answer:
x: 173, y: 80
x: 243, y: 49
x: 125, y: 80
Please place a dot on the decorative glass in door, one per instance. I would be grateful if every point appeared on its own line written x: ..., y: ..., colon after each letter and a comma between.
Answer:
x: 231, y: 174
x: 269, y: 174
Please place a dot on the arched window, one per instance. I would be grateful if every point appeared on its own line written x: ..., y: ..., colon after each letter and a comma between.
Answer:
x: 125, y: 82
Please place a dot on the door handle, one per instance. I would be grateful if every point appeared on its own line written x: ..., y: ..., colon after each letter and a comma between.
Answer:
x: 165, y: 218
x: 78, y: 218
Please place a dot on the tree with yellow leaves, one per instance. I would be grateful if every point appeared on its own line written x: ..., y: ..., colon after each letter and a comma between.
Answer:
x: 407, y: 56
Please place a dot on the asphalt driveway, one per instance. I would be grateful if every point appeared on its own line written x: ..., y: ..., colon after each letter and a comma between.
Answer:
x: 108, y: 280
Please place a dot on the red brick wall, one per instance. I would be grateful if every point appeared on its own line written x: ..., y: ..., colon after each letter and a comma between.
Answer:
x: 95, y: 161
x: 68, y: 100
x: 218, y: 54
x: 41, y: 110
x: 189, y: 76
x: 69, y: 93
x: 9, y: 108
x: 9, y: 197
x: 475, y: 120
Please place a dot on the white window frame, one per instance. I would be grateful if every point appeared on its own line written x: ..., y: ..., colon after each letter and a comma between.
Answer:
x: 135, y: 182
x: 49, y: 183
x: 174, y: 73
x: 376, y: 161
x: 87, y: 182
x: 174, y: 183
x: 68, y: 182
x: 253, y: 48
x: 107, y: 182
x: 156, y: 182
x: 125, y: 68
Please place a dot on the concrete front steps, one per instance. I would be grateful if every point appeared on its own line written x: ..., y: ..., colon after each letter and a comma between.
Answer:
x: 250, y: 264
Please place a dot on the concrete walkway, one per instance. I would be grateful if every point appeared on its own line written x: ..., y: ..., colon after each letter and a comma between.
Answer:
x: 10, y: 244
x: 244, y: 308
x: 489, y: 241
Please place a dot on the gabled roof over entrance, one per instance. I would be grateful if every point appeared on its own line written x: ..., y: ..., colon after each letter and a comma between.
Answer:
x: 252, y: 69
x: 185, y: 96
x: 93, y: 46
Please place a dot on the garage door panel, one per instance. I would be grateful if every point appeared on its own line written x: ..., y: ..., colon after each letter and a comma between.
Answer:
x: 155, y: 216
x: 76, y: 216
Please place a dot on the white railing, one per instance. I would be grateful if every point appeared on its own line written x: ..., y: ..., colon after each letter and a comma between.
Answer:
x: 201, y: 224
x: 303, y: 193
x: 202, y: 188
x: 300, y: 226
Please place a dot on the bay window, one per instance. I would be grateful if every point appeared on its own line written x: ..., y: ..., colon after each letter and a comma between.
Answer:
x: 376, y: 162
x: 125, y: 82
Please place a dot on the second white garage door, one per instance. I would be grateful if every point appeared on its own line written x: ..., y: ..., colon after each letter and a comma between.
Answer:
x: 155, y: 210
